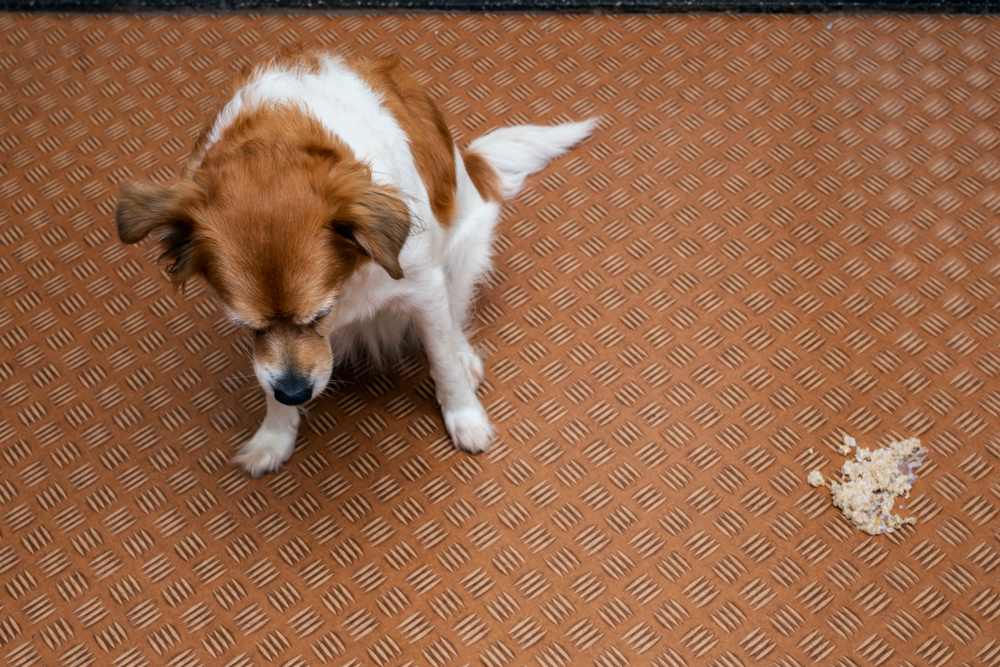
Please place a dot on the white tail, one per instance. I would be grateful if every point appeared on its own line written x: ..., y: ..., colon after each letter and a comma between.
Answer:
x: 519, y: 151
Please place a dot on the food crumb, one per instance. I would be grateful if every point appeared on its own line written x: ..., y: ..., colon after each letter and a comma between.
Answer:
x: 872, y: 481
x: 845, y: 447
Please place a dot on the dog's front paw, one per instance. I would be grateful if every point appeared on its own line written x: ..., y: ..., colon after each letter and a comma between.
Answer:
x: 267, y: 450
x: 472, y: 363
x: 469, y: 428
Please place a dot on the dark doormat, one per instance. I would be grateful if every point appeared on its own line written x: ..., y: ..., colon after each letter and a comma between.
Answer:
x: 738, y: 6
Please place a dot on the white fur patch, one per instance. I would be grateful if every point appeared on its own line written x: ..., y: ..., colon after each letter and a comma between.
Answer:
x: 274, y: 441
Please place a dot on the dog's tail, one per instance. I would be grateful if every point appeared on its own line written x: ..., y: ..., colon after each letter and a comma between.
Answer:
x: 514, y: 153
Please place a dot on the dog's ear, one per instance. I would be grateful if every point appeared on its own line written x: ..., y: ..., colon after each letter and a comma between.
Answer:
x: 164, y: 214
x: 376, y: 221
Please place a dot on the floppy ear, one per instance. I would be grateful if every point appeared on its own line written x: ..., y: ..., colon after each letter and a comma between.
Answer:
x: 377, y: 222
x: 163, y: 214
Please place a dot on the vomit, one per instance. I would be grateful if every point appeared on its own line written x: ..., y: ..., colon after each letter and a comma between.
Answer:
x: 872, y: 481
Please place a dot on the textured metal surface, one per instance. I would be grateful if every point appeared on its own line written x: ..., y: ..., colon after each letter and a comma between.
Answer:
x: 785, y: 230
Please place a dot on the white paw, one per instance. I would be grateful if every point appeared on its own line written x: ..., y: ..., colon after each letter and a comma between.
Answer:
x: 469, y: 428
x: 473, y: 367
x: 267, y: 449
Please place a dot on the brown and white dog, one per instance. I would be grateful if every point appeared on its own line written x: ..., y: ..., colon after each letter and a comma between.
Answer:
x: 330, y: 211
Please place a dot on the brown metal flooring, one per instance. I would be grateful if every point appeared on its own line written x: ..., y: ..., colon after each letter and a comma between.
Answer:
x: 785, y: 230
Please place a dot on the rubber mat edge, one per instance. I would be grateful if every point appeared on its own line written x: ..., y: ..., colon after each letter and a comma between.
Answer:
x: 504, y: 6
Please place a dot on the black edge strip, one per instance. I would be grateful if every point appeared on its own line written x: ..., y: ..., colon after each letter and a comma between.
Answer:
x: 623, y: 6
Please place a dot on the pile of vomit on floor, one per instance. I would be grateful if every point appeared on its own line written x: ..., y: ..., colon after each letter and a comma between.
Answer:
x: 872, y: 481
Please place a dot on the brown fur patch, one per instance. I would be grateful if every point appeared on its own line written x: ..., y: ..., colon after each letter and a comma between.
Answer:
x: 293, y: 349
x: 430, y: 140
x: 295, y: 57
x: 164, y: 214
x: 292, y: 214
x: 483, y: 176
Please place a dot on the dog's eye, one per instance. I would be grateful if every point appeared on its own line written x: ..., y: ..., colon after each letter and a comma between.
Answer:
x: 256, y: 331
x: 320, y: 316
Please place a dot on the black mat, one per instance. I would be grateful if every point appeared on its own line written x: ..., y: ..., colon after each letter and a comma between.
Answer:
x: 764, y: 6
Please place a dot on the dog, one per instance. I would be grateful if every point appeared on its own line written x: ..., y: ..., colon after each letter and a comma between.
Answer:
x: 331, y: 212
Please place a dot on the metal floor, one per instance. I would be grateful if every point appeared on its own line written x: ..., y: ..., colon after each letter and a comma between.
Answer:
x: 785, y: 230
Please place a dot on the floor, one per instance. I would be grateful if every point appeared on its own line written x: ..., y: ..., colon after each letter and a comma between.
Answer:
x: 784, y: 231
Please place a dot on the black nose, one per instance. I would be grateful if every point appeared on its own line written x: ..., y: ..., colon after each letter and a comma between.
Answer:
x: 293, y: 389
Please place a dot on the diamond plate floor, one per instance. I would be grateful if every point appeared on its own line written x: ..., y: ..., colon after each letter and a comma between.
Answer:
x: 785, y: 230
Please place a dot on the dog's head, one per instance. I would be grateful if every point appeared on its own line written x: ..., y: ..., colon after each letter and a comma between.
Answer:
x: 275, y: 217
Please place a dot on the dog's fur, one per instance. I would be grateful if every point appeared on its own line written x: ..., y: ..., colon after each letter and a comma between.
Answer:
x: 330, y: 210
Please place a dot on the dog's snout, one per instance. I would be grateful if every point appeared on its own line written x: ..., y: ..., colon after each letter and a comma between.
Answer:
x: 293, y: 388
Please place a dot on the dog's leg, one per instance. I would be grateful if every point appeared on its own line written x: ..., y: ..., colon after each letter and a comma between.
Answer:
x: 274, y: 441
x: 456, y: 368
